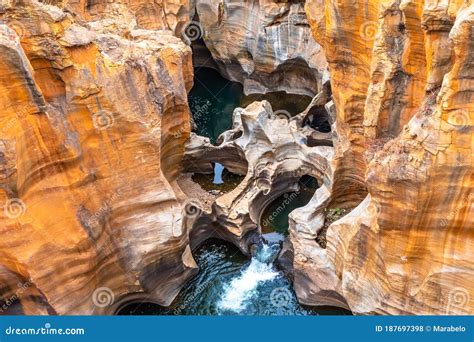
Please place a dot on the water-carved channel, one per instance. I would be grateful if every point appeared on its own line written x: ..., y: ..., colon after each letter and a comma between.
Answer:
x: 229, y: 283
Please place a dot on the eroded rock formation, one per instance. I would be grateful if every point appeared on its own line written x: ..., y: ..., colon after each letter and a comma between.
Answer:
x: 265, y: 45
x: 94, y: 128
x: 93, y: 125
x: 149, y: 14
x: 399, y: 69
x: 271, y: 152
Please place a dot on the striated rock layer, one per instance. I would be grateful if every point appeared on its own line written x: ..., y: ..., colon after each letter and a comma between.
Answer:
x: 93, y: 126
x: 401, y: 73
x: 149, y: 14
x: 265, y: 45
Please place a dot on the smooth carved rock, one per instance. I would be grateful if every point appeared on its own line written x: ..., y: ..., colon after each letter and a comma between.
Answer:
x: 92, y: 133
x: 406, y: 248
x: 265, y: 45
x: 273, y: 155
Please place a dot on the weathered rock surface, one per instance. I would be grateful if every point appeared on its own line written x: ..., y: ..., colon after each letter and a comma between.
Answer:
x: 265, y: 45
x: 149, y: 14
x: 94, y: 128
x: 92, y: 133
x: 406, y: 248
x: 271, y: 152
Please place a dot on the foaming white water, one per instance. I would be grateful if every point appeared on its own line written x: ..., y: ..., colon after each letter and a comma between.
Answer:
x: 241, y: 289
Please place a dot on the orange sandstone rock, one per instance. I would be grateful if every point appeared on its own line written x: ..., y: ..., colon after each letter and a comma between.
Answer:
x: 406, y: 249
x: 93, y: 126
x: 266, y: 45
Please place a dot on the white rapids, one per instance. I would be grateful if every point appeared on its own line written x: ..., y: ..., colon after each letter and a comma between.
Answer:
x: 241, y: 289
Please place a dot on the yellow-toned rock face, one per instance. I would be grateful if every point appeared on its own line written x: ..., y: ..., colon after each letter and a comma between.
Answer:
x: 92, y: 133
x: 401, y: 74
x: 94, y: 121
x: 148, y: 14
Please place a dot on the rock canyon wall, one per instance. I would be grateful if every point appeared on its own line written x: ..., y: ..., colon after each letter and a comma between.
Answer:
x: 94, y: 119
x: 265, y: 45
x: 95, y: 142
x: 401, y: 73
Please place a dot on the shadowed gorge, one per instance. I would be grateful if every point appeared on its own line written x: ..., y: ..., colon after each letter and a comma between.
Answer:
x: 275, y: 216
x: 230, y: 284
x: 176, y: 157
x: 212, y: 101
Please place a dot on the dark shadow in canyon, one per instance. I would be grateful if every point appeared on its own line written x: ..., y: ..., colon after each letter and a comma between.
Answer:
x: 212, y: 101
x: 274, y: 218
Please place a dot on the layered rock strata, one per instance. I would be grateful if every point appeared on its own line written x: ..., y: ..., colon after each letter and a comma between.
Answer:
x: 406, y: 248
x: 93, y: 125
x: 149, y: 14
x: 265, y: 45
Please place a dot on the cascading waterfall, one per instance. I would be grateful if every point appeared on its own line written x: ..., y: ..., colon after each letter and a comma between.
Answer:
x: 243, y: 288
x: 228, y: 283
